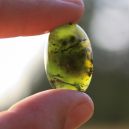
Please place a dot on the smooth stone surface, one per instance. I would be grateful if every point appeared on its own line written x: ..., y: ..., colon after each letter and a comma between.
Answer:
x: 69, y: 63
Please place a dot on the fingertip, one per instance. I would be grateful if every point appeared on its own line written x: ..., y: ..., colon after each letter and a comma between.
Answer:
x: 62, y: 12
x: 66, y: 109
x: 80, y: 113
x: 36, y: 17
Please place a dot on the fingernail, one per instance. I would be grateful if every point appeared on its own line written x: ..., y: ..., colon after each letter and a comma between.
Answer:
x: 79, y: 2
x: 78, y: 116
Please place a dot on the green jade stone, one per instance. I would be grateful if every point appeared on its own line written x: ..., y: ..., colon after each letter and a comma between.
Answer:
x: 69, y: 63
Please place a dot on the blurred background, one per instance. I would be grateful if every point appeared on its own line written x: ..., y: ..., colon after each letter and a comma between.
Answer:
x: 107, y: 24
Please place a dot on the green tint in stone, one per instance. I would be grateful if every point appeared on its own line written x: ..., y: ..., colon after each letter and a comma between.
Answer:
x: 69, y: 59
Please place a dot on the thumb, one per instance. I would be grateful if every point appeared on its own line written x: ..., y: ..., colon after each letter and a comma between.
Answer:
x: 52, y: 109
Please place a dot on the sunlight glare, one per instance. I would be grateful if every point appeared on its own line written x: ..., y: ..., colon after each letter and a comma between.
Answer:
x: 16, y: 54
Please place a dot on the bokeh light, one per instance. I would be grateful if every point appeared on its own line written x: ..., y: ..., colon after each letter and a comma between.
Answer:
x: 110, y: 24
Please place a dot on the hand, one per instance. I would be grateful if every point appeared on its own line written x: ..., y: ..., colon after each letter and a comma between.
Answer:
x: 52, y: 109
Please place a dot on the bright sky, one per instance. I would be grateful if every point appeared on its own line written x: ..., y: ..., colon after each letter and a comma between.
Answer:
x: 16, y: 55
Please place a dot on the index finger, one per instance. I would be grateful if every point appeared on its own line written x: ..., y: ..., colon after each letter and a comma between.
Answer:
x: 27, y: 17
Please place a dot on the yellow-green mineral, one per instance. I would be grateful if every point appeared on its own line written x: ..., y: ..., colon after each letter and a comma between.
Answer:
x: 69, y: 62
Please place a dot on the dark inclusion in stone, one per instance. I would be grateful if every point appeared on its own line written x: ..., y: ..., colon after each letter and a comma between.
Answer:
x: 70, y: 61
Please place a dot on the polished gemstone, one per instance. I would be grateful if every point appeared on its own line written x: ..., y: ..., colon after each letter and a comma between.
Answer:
x: 69, y: 63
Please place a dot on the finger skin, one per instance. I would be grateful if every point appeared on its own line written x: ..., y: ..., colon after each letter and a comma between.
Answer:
x: 52, y: 109
x: 32, y: 17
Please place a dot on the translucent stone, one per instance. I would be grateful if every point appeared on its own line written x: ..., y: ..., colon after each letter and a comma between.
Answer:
x: 69, y: 60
